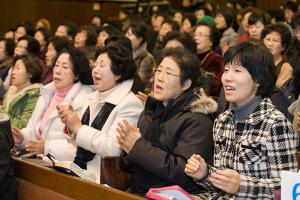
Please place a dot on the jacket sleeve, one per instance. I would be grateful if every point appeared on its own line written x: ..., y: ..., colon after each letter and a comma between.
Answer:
x: 196, y: 137
x: 61, y: 149
x: 281, y: 147
x: 104, y: 142
x: 23, y: 115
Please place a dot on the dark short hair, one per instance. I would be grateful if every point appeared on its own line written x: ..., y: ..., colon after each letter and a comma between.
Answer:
x: 71, y: 27
x: 258, y: 61
x: 113, y: 23
x: 80, y: 63
x: 214, y: 33
x: 282, y: 30
x: 45, y: 33
x: 259, y: 15
x: 187, y: 62
x: 277, y: 14
x: 33, y: 66
x: 9, y: 46
x: 206, y: 10
x: 185, y: 39
x: 33, y: 46
x: 290, y: 5
x: 175, y: 26
x: 91, y: 34
x: 28, y: 27
x: 228, y: 14
x: 296, y: 21
x: 140, y: 30
x: 191, y: 17
x: 122, y: 63
x: 59, y: 43
x: 111, y: 31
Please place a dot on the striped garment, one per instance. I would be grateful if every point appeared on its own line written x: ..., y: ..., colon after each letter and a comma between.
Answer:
x: 258, y: 149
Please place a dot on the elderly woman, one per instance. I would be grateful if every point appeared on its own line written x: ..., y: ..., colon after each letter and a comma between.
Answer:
x: 254, y: 142
x: 111, y: 103
x: 20, y: 98
x: 174, y: 124
x: 44, y: 132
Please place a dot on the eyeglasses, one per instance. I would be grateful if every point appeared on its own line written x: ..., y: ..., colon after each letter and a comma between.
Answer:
x: 157, y: 71
x: 200, y: 35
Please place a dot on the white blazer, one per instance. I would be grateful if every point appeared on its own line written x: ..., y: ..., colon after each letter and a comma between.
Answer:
x: 104, y: 142
x: 56, y: 142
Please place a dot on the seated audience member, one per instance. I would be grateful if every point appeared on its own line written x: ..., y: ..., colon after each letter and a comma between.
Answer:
x: 257, y: 22
x: 176, y: 39
x: 189, y: 21
x: 27, y: 44
x: 178, y: 17
x: 289, y: 9
x: 44, y: 132
x: 224, y: 21
x: 98, y: 19
x: 10, y: 34
x: 23, y: 28
x: 243, y: 30
x: 42, y: 36
x: 7, y: 177
x: 137, y: 34
x: 277, y: 38
x: 66, y: 29
x: 174, y: 124
x: 111, y: 103
x: 55, y: 45
x: 44, y: 24
x: 202, y: 11
x: 6, y: 56
x: 85, y: 40
x: 20, y: 98
x: 105, y: 33
x: 293, y: 52
x: 207, y: 38
x: 251, y: 136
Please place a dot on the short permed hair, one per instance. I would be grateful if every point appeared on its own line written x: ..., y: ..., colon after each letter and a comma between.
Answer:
x: 187, y: 62
x: 258, y: 61
x: 122, y: 63
x: 282, y: 30
x: 81, y: 65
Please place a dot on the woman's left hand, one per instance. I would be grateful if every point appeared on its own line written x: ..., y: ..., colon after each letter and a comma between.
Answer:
x: 69, y: 117
x: 36, y: 146
x: 227, y: 180
x: 127, y: 135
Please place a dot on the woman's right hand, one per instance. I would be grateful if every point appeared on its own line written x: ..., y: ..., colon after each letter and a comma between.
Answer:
x: 18, y: 135
x: 196, y: 167
x: 143, y: 96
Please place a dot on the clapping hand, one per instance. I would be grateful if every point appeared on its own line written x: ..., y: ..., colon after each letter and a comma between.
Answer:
x: 127, y: 135
x: 69, y: 117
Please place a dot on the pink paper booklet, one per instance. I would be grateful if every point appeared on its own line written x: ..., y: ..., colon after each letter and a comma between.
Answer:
x: 174, y: 192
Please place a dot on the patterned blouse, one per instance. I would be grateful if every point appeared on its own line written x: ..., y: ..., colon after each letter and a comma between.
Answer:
x: 258, y: 149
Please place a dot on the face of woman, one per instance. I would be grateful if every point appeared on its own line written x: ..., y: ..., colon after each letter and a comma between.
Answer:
x: 165, y: 28
x: 239, y: 87
x: 40, y: 38
x: 202, y: 38
x: 21, y: 48
x: 273, y: 42
x: 50, y: 55
x: 256, y: 29
x: 220, y: 21
x: 80, y: 39
x: 297, y: 33
x: 178, y: 17
x: 21, y: 31
x: 187, y: 26
x: 63, y: 75
x: 167, y: 80
x: 101, y: 39
x: 104, y: 78
x: 2, y: 50
x: 135, y: 41
x: 20, y: 76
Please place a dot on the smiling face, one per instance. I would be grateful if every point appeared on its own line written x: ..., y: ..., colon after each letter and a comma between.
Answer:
x: 20, y: 76
x: 63, y: 75
x: 104, y: 78
x: 167, y: 80
x: 273, y: 42
x: 239, y: 87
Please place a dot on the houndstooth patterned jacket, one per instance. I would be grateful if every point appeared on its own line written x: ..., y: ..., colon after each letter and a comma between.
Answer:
x: 258, y: 149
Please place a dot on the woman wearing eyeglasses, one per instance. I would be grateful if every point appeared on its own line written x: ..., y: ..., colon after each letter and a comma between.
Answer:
x: 174, y: 124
